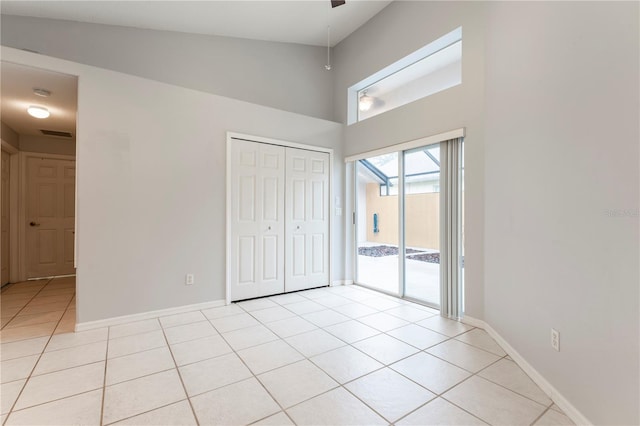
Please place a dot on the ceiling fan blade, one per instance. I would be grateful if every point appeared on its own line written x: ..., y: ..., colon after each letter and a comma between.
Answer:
x: 336, y: 3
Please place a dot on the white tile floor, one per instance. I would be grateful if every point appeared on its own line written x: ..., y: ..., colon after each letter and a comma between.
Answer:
x: 341, y: 355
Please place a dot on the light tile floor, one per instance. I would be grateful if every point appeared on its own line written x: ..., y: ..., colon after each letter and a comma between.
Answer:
x: 340, y: 355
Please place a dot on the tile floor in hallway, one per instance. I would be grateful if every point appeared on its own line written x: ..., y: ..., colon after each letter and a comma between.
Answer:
x: 340, y: 355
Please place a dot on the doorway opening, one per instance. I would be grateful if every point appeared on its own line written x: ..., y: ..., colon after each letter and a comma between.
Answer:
x: 38, y: 199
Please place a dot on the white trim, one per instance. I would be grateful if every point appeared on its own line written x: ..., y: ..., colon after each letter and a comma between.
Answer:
x: 341, y: 282
x: 405, y: 146
x: 571, y: 411
x: 474, y: 322
x: 8, y: 147
x: 402, y: 262
x: 14, y: 242
x: 51, y: 277
x: 46, y: 155
x: 260, y: 139
x: 251, y: 138
x: 90, y: 325
x: 353, y: 220
x: 227, y: 266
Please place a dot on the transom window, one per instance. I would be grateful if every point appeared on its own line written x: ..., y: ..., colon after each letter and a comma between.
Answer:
x: 431, y: 69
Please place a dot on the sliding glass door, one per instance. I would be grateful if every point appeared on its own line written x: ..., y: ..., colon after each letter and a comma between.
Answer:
x: 378, y: 223
x: 422, y: 224
x: 401, y: 198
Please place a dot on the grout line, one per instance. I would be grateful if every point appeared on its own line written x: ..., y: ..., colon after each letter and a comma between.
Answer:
x: 184, y: 387
x: 145, y: 412
x: 139, y: 377
x: 540, y: 416
x: 252, y: 374
x: 133, y: 353
x: 66, y: 368
x: 104, y: 379
x: 129, y: 335
x: 75, y: 346
x: 511, y: 390
x: 25, y: 305
x: 54, y: 400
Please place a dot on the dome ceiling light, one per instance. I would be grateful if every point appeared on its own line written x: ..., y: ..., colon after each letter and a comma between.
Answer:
x: 38, y: 112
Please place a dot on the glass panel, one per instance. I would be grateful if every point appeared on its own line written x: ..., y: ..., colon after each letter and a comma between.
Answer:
x: 377, y: 223
x: 422, y: 224
x: 432, y: 74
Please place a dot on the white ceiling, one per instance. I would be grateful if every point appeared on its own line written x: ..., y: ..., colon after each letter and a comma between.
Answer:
x: 18, y: 82
x: 291, y: 21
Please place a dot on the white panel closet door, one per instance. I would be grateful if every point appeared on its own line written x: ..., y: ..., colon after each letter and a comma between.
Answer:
x: 257, y: 220
x: 307, y: 219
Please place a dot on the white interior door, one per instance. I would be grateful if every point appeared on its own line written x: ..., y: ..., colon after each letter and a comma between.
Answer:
x: 50, y: 217
x: 257, y: 220
x: 307, y: 219
x: 4, y: 249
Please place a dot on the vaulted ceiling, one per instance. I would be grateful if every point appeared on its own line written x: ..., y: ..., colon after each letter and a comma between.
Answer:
x: 291, y: 21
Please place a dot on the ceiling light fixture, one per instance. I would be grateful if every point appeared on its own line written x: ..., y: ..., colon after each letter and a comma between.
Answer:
x: 365, y: 102
x: 41, y: 92
x: 38, y: 112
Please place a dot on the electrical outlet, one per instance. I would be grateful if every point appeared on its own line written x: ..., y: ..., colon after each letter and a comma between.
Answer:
x: 189, y: 279
x: 555, y: 339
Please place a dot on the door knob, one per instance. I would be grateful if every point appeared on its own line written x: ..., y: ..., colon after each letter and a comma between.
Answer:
x: 298, y: 227
x: 34, y: 224
x: 269, y: 228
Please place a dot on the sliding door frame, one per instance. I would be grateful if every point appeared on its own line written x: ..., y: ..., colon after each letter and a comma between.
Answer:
x: 400, y: 149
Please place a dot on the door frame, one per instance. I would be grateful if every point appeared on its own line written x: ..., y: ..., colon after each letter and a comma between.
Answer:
x: 14, y: 165
x: 400, y: 148
x: 24, y: 156
x: 286, y: 144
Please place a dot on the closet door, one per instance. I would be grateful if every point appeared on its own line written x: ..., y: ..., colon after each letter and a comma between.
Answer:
x: 307, y: 219
x: 257, y: 220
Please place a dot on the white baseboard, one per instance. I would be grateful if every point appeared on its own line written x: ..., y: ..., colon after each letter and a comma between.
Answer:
x: 341, y: 282
x: 572, y: 412
x: 90, y: 325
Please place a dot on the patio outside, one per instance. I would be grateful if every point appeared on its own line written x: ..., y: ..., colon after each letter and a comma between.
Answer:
x: 422, y: 272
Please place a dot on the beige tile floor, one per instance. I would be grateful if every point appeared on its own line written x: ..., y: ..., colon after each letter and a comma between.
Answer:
x: 341, y: 355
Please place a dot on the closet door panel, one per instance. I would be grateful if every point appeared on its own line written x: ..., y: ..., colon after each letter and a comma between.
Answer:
x: 257, y: 220
x: 299, y: 256
x: 307, y: 219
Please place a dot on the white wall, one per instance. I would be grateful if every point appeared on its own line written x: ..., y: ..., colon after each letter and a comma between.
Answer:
x: 151, y: 186
x: 400, y: 29
x: 48, y: 145
x: 286, y: 76
x: 562, y: 149
x: 549, y: 99
x: 9, y: 135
